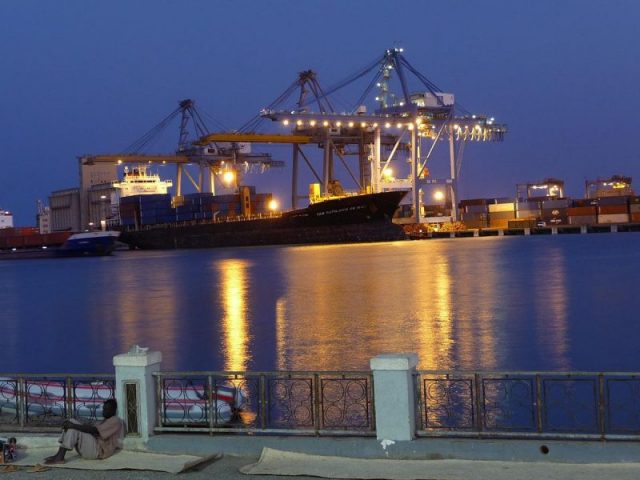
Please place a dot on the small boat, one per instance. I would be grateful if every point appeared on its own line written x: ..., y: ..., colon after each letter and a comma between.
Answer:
x: 182, y: 403
x: 86, y: 244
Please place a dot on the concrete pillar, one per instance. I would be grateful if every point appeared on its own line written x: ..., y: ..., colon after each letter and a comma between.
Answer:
x: 527, y: 231
x: 614, y: 228
x: 136, y: 389
x: 394, y: 394
x: 583, y: 229
x: 554, y: 230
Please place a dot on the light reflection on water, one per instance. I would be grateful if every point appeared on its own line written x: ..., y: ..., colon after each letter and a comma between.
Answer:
x: 551, y: 303
x: 233, y: 297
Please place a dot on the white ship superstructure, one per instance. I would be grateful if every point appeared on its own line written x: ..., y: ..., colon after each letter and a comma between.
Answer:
x: 6, y: 219
x: 138, y: 181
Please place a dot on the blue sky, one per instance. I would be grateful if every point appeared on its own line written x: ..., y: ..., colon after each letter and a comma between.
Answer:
x: 82, y: 77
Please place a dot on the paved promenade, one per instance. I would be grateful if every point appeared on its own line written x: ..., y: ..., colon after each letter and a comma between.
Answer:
x: 536, y: 458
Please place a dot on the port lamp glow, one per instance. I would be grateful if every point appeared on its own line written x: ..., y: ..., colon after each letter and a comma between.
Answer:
x: 228, y: 177
x: 387, y: 173
x: 350, y: 124
x: 325, y: 123
x: 285, y: 122
x: 312, y: 123
x: 273, y: 205
x: 438, y: 195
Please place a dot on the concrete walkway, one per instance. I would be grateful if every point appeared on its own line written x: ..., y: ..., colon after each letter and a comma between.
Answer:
x: 536, y: 458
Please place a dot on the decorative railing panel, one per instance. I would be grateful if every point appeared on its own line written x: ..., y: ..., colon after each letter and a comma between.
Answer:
x: 565, y: 405
x: 43, y: 402
x: 295, y: 402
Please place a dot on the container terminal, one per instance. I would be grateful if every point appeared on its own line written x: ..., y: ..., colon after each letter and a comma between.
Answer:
x: 390, y: 137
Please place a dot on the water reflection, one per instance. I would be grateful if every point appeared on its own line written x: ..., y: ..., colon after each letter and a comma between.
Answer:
x: 345, y: 304
x: 551, y: 305
x: 233, y: 298
x: 142, y: 315
x: 434, y: 299
x: 281, y: 342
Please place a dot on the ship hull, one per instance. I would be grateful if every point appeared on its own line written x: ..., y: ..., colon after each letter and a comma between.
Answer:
x: 359, y: 218
x: 89, y: 244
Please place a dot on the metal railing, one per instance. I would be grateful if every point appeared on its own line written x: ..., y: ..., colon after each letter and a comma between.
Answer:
x: 575, y: 405
x: 43, y: 402
x: 317, y: 403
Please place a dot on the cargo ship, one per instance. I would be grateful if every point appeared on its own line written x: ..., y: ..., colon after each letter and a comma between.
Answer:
x: 207, y: 220
x: 17, y: 246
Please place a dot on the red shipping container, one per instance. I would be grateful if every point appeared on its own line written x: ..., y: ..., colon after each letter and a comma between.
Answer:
x: 612, y: 209
x: 578, y: 211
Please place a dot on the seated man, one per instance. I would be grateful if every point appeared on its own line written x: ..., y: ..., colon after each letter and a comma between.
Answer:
x: 91, y: 441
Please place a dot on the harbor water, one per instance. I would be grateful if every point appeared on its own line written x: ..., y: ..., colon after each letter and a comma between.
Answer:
x: 553, y: 303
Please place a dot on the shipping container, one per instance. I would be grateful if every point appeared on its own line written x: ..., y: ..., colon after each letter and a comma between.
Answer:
x: 560, y: 203
x: 634, y: 200
x: 522, y: 223
x: 635, y: 217
x: 613, y: 218
x: 502, y: 215
x: 473, y: 202
x: 582, y: 219
x: 528, y: 214
x: 528, y: 205
x: 612, y: 209
x: 501, y: 207
x: 476, y: 209
x: 613, y: 200
x: 580, y: 211
x: 475, y: 223
x: 634, y: 208
x: 498, y: 223
x: 584, y: 202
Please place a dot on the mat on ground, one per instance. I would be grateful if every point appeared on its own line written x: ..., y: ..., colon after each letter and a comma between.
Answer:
x: 123, y: 460
x: 277, y: 462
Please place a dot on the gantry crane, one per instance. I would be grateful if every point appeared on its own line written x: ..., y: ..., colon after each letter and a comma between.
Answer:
x: 408, y: 122
x: 212, y: 158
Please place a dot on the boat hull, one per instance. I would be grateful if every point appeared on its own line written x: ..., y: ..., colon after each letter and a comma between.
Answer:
x: 88, y: 244
x: 359, y: 218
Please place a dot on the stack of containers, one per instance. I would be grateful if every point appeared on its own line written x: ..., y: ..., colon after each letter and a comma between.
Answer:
x: 195, y: 206
x: 634, y: 209
x: 261, y: 202
x: 555, y: 211
x: 613, y: 209
x: 146, y: 209
x: 583, y: 212
x: 501, y: 211
x: 475, y: 213
x: 29, y: 237
x: 528, y: 209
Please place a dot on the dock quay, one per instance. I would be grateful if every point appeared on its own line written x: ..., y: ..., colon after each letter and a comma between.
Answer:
x: 547, y: 230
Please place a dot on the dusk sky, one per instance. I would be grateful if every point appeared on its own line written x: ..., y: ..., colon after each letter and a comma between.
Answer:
x: 80, y: 77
